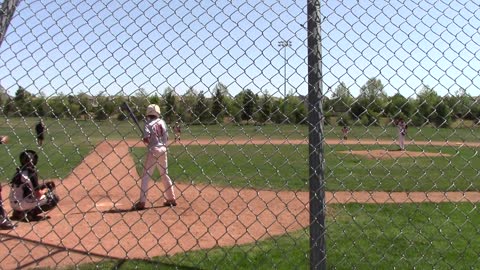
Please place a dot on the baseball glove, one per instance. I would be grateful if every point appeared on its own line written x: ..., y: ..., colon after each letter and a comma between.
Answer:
x: 50, y: 185
x: 3, y: 139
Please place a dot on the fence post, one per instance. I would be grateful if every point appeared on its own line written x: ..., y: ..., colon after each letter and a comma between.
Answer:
x: 6, y: 14
x: 316, y: 158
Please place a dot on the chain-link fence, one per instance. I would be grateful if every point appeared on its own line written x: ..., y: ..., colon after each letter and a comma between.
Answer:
x: 301, y: 134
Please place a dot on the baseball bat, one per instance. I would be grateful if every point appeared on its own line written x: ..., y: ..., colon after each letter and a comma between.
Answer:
x: 125, y: 106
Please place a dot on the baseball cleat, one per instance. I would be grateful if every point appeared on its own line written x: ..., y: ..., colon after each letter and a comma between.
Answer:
x: 7, y: 224
x: 138, y: 206
x: 18, y: 215
x: 170, y: 203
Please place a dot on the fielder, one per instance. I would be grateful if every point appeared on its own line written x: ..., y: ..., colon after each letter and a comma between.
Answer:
x: 27, y: 197
x: 177, y: 130
x: 402, y: 132
x: 345, y: 131
x: 156, y: 138
x: 40, y: 130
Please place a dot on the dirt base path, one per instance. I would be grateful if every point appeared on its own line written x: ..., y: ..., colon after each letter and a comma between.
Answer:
x: 93, y: 221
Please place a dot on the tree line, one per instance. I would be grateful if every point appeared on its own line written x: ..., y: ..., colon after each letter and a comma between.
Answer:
x: 425, y: 108
x: 194, y: 107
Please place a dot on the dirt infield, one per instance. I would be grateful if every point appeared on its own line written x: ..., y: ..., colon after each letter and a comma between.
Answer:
x: 93, y: 221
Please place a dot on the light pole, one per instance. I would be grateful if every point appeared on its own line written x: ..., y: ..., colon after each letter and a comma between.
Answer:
x: 284, y: 44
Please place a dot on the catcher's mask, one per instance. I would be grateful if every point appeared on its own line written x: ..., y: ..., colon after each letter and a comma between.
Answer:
x: 28, y: 158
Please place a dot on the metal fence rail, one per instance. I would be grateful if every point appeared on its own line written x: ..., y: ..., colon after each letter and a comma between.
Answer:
x: 314, y: 134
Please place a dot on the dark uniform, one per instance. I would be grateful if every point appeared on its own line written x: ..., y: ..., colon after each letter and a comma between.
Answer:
x: 27, y: 197
x: 40, y: 129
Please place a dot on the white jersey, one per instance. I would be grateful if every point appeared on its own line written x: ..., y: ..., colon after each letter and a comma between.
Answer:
x: 156, y: 132
x: 402, y: 128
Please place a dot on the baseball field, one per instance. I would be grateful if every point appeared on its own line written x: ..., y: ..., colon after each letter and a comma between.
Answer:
x: 384, y: 207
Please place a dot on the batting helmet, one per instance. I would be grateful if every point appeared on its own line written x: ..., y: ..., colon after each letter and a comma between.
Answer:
x: 28, y: 157
x: 153, y: 110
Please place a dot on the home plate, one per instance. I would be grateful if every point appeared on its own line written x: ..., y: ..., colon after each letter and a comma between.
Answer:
x: 107, y: 204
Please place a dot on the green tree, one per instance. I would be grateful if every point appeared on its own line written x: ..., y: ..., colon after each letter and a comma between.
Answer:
x: 442, y: 115
x: 57, y: 106
x: 187, y: 104
x: 138, y: 104
x: 342, y: 99
x: 218, y: 106
x: 248, y: 103
x: 425, y: 104
x: 296, y: 110
x: 85, y: 105
x: 265, y: 108
x: 104, y: 109
x: 155, y: 99
x: 431, y: 108
x: 8, y: 106
x: 233, y: 107
x: 399, y: 106
x: 461, y: 104
x: 23, y: 102
x: 372, y: 96
x: 357, y: 110
x: 201, y: 109
x: 475, y: 110
x: 278, y: 115
x: 40, y: 106
x: 170, y: 104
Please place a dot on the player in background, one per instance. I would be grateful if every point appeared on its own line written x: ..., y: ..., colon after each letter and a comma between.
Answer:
x: 345, y: 131
x: 40, y: 130
x: 177, y: 130
x: 28, y: 198
x: 156, y: 138
x: 402, y: 132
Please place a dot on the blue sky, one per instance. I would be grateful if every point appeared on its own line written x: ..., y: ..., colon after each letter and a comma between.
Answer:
x: 119, y: 47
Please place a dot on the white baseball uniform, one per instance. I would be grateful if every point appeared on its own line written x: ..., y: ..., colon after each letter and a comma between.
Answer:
x: 156, y: 132
x: 402, y: 132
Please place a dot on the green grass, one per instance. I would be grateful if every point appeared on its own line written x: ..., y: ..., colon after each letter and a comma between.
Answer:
x: 330, y: 132
x: 407, y: 236
x: 285, y: 167
x: 67, y: 142
x: 457, y: 172
x: 441, y: 236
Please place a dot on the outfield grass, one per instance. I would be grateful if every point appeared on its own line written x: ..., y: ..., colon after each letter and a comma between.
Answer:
x: 359, y: 236
x: 441, y: 236
x: 285, y: 167
x: 330, y: 132
x: 68, y: 141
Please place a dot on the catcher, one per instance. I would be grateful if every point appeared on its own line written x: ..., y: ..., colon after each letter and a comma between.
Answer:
x: 28, y: 198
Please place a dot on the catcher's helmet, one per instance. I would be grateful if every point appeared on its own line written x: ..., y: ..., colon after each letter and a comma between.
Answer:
x: 153, y: 110
x: 28, y: 157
